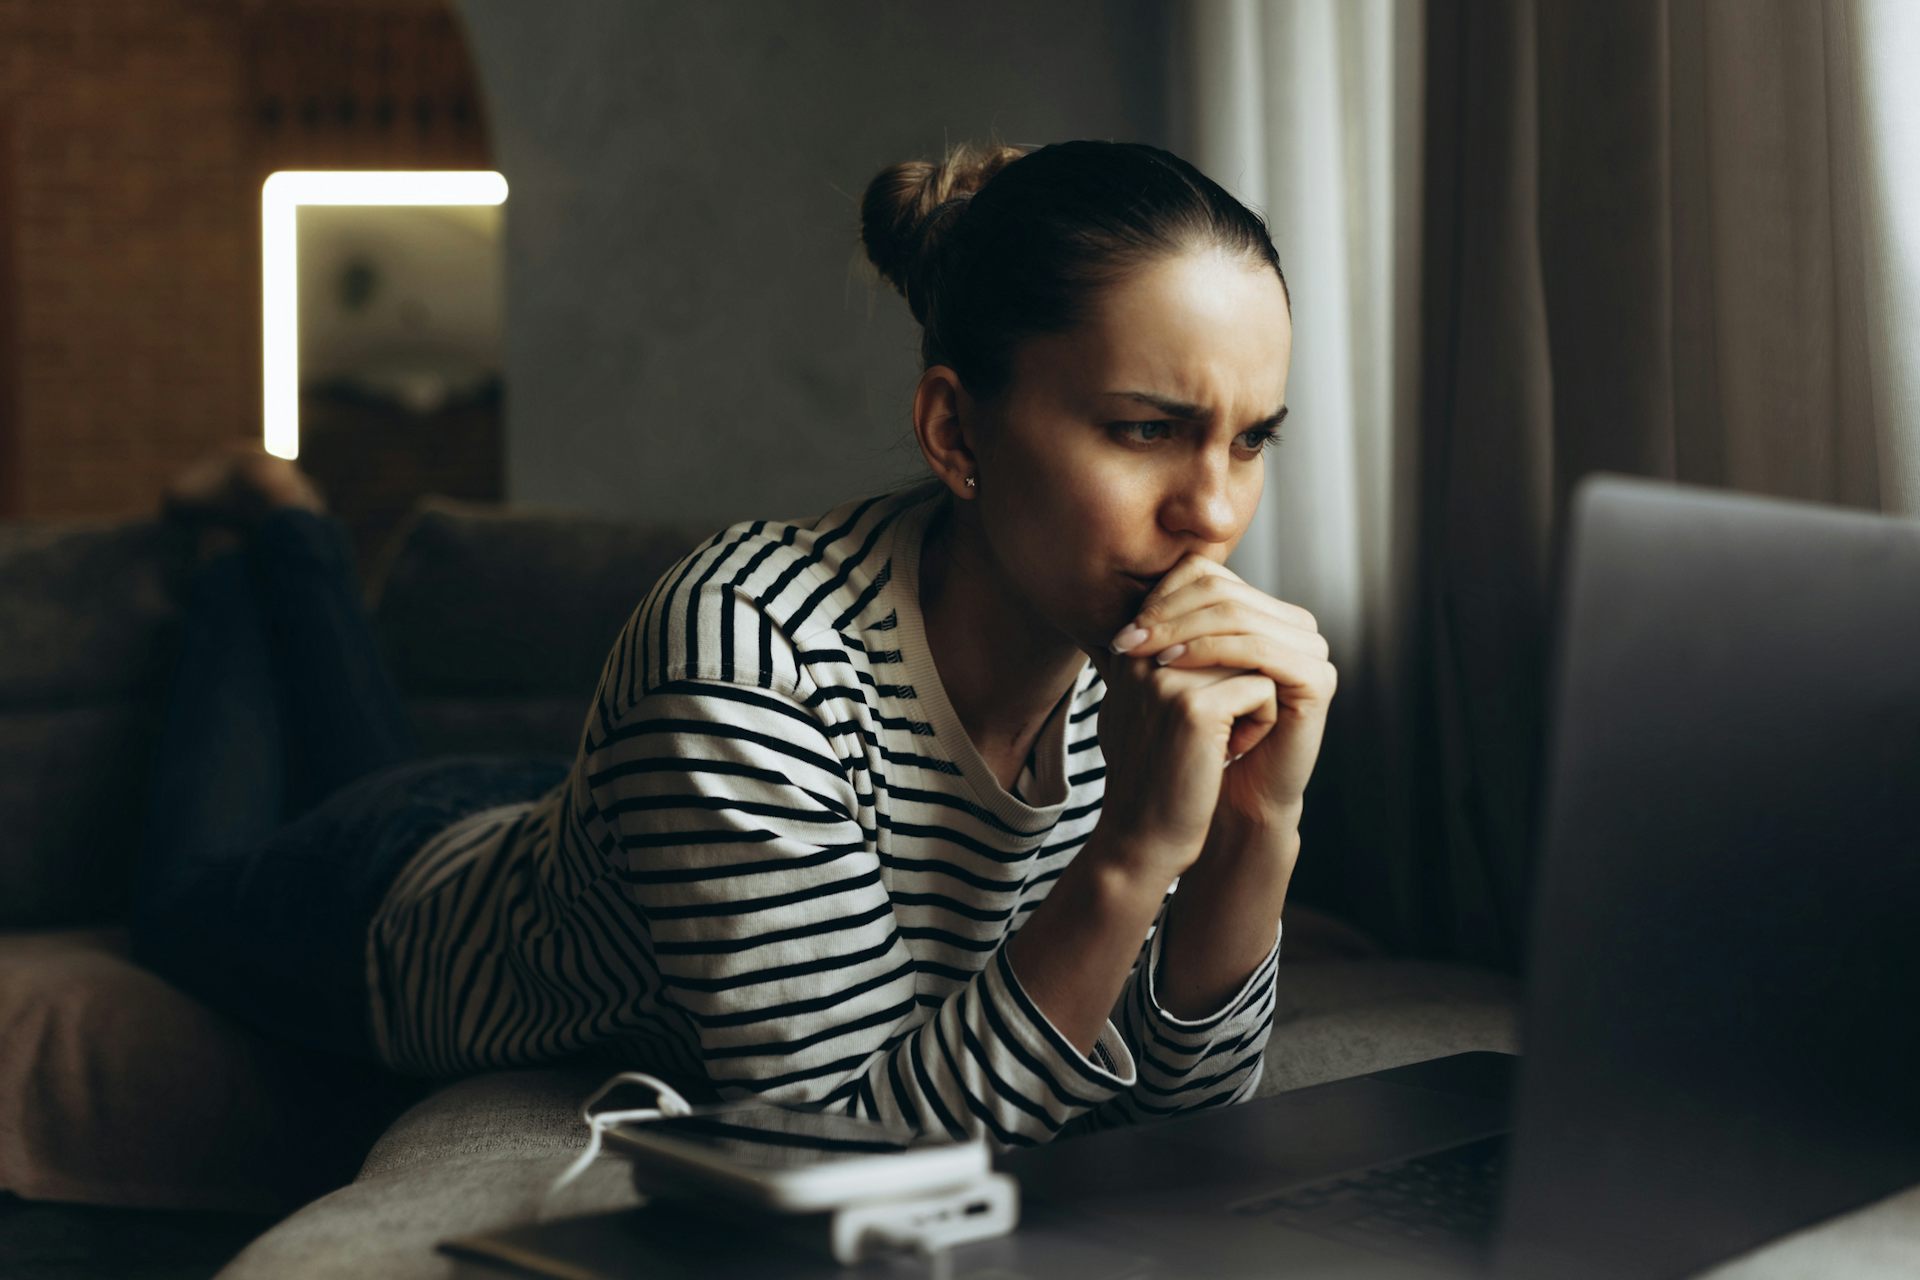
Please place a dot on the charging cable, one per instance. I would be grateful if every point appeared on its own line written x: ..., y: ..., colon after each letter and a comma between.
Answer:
x: 668, y: 1102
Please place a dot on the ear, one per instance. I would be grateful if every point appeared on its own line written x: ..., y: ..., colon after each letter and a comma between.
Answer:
x: 943, y: 423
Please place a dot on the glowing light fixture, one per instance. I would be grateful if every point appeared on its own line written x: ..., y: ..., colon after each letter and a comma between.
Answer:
x: 280, y: 199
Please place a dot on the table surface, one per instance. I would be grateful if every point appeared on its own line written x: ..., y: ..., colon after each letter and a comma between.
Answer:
x: 1879, y: 1240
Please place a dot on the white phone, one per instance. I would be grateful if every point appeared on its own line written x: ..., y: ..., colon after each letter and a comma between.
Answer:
x: 793, y: 1159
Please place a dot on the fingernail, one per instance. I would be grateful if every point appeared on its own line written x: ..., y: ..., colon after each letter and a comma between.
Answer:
x: 1128, y: 638
x: 1169, y: 653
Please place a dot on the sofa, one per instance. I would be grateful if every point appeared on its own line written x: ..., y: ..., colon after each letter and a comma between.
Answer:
x: 144, y: 1134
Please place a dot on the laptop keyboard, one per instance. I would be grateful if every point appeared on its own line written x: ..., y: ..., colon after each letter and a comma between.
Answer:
x: 1433, y: 1208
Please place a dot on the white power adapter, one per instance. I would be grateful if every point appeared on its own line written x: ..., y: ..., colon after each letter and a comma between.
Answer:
x: 925, y: 1225
x: 922, y: 1225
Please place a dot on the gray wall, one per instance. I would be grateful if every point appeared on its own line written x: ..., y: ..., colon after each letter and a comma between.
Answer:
x: 693, y: 333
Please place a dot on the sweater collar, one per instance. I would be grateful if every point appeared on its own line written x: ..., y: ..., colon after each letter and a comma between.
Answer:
x: 1050, y: 750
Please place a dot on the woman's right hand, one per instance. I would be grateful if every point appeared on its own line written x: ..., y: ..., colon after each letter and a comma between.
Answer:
x: 1167, y: 735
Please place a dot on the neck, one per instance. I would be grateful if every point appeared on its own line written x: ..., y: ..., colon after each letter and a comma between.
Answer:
x: 1004, y: 669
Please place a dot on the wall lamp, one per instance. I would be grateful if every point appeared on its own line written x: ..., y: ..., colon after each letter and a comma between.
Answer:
x: 280, y: 199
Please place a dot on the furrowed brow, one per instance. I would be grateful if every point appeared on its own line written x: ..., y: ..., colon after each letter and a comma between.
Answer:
x: 1191, y: 412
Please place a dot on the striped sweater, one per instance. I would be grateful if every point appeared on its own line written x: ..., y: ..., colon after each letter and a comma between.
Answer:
x: 779, y: 867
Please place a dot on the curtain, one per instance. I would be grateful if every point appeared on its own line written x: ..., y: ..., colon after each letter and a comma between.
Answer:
x: 1886, y: 39
x: 1646, y: 237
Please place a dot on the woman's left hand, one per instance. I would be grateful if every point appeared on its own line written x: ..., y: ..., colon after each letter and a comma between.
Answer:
x: 1201, y: 614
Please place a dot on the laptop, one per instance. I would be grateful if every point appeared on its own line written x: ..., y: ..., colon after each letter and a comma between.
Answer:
x: 1722, y: 1018
x: 1721, y: 1010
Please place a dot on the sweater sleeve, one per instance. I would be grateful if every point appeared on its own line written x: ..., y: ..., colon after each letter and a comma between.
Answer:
x: 1187, y: 1064
x: 736, y: 835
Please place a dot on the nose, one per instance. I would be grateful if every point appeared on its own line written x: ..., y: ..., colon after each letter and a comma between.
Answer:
x: 1201, y: 505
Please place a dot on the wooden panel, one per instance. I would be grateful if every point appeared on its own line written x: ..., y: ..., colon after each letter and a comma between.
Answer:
x: 335, y: 86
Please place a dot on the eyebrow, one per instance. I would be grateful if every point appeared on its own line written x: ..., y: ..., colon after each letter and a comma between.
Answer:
x: 1191, y: 412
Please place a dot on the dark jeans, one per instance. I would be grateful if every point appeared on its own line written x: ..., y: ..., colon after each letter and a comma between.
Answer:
x: 288, y: 790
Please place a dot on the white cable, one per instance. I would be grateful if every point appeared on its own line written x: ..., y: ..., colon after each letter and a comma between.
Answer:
x: 669, y: 1103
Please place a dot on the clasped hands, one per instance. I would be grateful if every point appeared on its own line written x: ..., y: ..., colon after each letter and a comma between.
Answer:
x: 1203, y: 617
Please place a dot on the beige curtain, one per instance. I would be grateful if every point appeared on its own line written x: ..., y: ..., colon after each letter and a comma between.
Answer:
x: 1658, y: 237
x: 1645, y: 254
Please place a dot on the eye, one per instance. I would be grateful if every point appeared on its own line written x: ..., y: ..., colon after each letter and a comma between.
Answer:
x: 1258, y: 440
x: 1264, y: 438
x: 1124, y: 427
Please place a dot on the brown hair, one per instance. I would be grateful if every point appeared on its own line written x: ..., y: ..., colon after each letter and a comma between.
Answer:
x: 998, y: 243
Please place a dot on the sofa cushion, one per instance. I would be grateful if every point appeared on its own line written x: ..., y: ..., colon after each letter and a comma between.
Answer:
x: 86, y: 609
x: 73, y: 796
x: 1341, y: 1018
x: 482, y: 601
x: 118, y: 1089
x: 495, y: 619
x: 87, y: 626
x: 484, y: 1117
x: 480, y: 1154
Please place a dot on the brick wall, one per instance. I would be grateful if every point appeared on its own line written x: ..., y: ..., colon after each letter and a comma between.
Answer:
x: 134, y: 136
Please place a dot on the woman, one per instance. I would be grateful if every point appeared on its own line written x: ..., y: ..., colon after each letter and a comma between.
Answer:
x: 877, y: 809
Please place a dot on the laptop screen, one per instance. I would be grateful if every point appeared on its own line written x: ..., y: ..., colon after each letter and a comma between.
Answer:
x: 1721, y: 1033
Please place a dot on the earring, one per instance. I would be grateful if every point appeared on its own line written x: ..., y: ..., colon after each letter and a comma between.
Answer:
x: 971, y: 484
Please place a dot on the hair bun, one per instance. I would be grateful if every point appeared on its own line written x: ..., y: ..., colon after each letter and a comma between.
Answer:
x: 907, y: 204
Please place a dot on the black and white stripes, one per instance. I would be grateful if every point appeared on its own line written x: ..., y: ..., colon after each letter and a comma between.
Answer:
x: 780, y: 868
